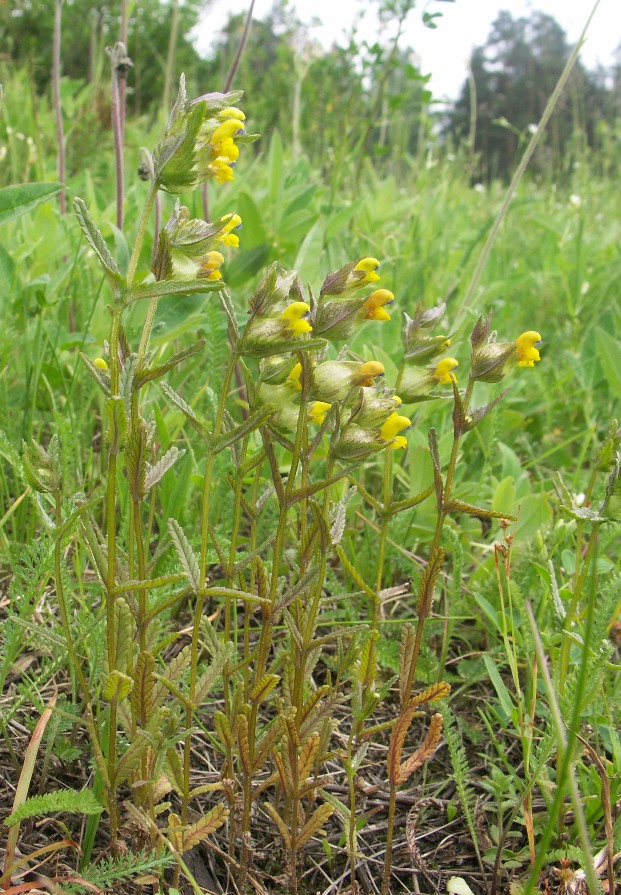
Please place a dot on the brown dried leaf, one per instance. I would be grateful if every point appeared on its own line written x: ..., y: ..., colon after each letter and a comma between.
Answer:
x: 424, y: 751
x: 282, y: 827
x: 204, y: 827
x: 314, y: 823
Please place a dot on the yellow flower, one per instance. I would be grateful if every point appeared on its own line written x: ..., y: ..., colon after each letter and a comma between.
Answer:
x: 213, y: 260
x: 443, y: 372
x: 527, y: 345
x: 294, y: 377
x: 317, y: 411
x: 393, y: 425
x: 295, y: 315
x: 100, y: 363
x: 226, y: 237
x: 232, y: 112
x: 369, y: 370
x: 369, y: 266
x: 375, y: 304
x: 227, y: 130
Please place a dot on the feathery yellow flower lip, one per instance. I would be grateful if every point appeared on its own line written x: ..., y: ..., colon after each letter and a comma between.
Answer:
x: 443, y: 371
x: 527, y: 345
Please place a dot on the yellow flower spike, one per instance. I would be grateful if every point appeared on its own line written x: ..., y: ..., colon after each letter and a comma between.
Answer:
x: 232, y: 112
x: 226, y: 130
x: 375, y: 304
x: 100, y: 363
x: 393, y: 425
x: 527, y: 345
x: 317, y: 411
x: 443, y: 370
x: 294, y: 377
x: 295, y: 315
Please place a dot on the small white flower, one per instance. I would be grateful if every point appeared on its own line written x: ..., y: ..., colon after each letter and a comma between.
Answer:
x: 575, y: 201
x: 532, y: 128
x: 585, y: 287
x: 478, y: 188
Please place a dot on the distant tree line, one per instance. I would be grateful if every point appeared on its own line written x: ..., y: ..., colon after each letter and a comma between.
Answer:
x: 363, y: 95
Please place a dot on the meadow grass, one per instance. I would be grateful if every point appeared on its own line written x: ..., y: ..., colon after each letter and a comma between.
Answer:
x: 532, y: 766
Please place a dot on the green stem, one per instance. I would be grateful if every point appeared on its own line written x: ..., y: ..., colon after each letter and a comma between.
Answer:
x: 200, y: 597
x: 142, y: 229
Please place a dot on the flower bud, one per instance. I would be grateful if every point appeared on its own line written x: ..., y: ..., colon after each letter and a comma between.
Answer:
x: 334, y: 380
x: 350, y: 279
x: 373, y: 408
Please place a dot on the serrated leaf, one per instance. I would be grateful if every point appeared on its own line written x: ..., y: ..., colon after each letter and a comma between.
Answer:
x: 458, y: 506
x: 199, y: 831
x: 136, y: 457
x: 424, y: 751
x: 64, y: 801
x: 172, y: 287
x: 185, y: 553
x: 157, y: 372
x: 117, y: 686
x: 315, y: 823
x: 282, y: 826
x: 187, y: 411
x: 155, y: 473
x: 253, y: 421
x: 142, y: 692
x: 428, y: 581
x: 23, y: 197
x: 264, y: 687
x: 97, y: 242
x: 116, y: 428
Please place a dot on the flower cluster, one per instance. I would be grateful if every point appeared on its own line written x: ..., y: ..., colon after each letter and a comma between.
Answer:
x: 201, y: 141
x: 422, y: 372
x: 189, y: 248
x: 345, y: 394
x: 345, y: 301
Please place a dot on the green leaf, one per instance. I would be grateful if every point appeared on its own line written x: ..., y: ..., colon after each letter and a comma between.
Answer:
x: 97, y: 242
x: 23, y: 197
x: 309, y: 256
x: 502, y: 692
x: 65, y: 800
x: 609, y: 351
x: 172, y: 287
x: 275, y: 166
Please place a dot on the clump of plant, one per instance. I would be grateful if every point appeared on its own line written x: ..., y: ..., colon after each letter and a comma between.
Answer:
x: 257, y: 667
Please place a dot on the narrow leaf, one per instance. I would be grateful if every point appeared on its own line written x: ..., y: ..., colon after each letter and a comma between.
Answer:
x: 23, y: 197
x: 185, y: 553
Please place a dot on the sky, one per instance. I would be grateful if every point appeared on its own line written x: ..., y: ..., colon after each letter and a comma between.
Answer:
x: 442, y: 52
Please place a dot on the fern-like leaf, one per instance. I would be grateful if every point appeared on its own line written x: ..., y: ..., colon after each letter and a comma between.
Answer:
x: 67, y: 801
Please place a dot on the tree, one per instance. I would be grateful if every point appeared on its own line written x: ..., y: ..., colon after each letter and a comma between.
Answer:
x: 515, y: 73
